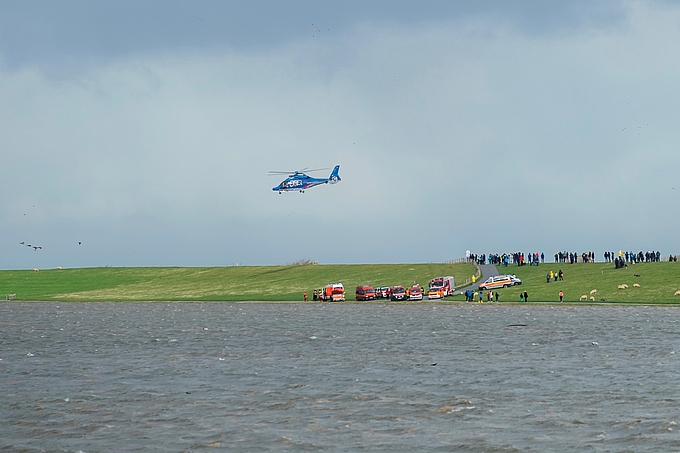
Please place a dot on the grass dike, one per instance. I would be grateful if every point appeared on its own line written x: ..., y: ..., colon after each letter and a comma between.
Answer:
x: 237, y: 283
x: 656, y: 282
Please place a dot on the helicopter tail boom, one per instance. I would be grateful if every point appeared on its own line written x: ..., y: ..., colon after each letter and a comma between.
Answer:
x: 335, y: 176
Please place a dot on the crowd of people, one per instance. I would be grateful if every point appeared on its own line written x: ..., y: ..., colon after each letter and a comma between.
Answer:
x: 619, y: 259
x: 505, y: 259
x: 492, y: 296
x: 573, y: 257
x: 632, y: 257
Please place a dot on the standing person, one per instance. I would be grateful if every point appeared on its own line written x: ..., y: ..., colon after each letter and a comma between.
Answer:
x: 315, y: 295
x: 521, y: 297
x: 561, y: 275
x: 547, y: 278
x: 561, y: 295
x: 496, y: 294
x: 526, y: 297
x: 305, y: 296
x: 542, y: 257
x: 481, y: 300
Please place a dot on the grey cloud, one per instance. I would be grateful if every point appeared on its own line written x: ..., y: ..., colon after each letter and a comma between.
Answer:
x: 480, y: 133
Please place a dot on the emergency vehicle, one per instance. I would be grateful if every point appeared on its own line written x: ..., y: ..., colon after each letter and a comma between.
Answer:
x: 333, y: 292
x: 435, y: 292
x: 500, y: 281
x: 441, y: 285
x: 365, y: 293
x: 415, y: 293
x: 397, y: 293
x: 383, y: 292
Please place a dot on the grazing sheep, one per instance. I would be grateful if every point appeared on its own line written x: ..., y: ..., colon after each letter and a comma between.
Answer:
x: 592, y: 298
x: 677, y: 293
x: 623, y: 286
x: 584, y: 297
x: 35, y: 269
x: 593, y: 291
x: 636, y: 285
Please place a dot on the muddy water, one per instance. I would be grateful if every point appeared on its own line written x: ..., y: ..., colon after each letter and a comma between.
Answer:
x: 94, y: 377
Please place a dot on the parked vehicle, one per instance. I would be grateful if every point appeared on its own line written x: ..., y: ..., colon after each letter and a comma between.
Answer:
x: 365, y: 293
x: 397, y: 293
x: 444, y: 283
x: 515, y: 280
x: 500, y: 281
x: 415, y: 293
x: 382, y: 292
x: 436, y: 292
x: 333, y: 292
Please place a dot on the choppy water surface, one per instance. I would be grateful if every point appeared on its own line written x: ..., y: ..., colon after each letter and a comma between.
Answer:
x: 173, y: 377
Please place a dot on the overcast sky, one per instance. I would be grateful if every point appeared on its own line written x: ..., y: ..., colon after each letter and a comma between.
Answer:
x: 145, y: 130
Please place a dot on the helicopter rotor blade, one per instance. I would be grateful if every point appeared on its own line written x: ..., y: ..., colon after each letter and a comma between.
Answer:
x: 297, y: 172
x: 271, y: 173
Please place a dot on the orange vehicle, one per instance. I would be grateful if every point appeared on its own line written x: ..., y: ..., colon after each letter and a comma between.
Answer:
x: 436, y: 292
x: 333, y: 292
x: 365, y: 292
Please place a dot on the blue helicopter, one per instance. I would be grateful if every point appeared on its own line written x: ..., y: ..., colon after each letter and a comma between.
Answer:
x: 299, y: 181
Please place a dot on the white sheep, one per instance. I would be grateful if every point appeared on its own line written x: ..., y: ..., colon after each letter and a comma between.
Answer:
x: 593, y: 291
x: 636, y: 285
x: 623, y: 286
x: 592, y: 298
x: 583, y: 297
x: 677, y: 293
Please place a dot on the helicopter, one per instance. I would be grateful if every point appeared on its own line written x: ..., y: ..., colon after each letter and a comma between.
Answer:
x: 299, y: 181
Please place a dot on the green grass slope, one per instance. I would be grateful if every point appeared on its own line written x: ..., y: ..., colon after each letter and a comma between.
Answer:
x: 658, y: 282
x: 244, y: 283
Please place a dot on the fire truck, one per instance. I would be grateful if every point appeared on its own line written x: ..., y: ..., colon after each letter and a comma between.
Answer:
x: 442, y: 285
